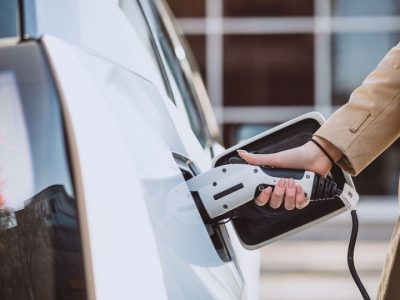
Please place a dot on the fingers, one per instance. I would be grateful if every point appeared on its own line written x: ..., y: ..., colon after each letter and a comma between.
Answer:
x: 302, y: 158
x: 264, y: 197
x: 290, y: 195
x: 287, y: 192
x: 278, y: 193
x: 258, y: 159
x: 300, y: 197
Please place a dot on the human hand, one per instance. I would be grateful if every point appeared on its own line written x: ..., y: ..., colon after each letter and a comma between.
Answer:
x: 307, y: 157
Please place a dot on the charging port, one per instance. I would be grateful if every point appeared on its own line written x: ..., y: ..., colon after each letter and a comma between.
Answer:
x: 217, y: 232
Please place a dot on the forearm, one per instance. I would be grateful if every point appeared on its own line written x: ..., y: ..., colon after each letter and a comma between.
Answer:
x: 370, y: 121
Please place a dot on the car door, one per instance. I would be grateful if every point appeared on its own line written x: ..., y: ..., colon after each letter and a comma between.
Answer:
x: 160, y: 144
x: 129, y: 153
x: 146, y: 122
x: 192, y: 99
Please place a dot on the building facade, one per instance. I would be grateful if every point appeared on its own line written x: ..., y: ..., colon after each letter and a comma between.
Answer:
x: 267, y: 61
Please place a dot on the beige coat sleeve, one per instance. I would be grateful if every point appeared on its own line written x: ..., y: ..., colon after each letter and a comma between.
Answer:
x: 364, y: 127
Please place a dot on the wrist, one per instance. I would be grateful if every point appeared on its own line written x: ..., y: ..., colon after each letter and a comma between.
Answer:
x: 334, y: 153
x: 315, y: 160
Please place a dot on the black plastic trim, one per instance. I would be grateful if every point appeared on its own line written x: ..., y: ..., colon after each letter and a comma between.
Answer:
x: 228, y: 191
x: 217, y: 231
x: 257, y: 224
x: 286, y: 173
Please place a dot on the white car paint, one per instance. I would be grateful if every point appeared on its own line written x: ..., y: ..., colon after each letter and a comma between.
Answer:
x: 137, y: 237
x: 100, y: 26
x: 106, y: 101
x: 109, y: 182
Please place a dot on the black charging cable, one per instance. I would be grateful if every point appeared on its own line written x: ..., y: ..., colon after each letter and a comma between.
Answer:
x: 350, y: 256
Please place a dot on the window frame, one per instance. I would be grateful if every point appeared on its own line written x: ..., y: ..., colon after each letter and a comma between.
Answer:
x: 189, y: 68
x: 156, y: 52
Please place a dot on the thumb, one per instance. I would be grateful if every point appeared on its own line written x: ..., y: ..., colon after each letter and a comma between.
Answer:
x: 259, y: 159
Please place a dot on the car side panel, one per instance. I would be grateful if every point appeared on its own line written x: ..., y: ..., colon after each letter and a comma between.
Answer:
x: 118, y: 238
x: 126, y: 131
x: 100, y: 26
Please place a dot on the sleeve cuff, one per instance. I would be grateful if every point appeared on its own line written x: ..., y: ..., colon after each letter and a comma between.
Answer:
x: 341, y: 131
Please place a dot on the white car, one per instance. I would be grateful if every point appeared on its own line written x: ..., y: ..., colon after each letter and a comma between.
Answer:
x: 103, y: 119
x: 102, y: 114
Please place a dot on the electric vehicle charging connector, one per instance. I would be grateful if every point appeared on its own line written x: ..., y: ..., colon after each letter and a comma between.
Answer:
x: 223, y: 189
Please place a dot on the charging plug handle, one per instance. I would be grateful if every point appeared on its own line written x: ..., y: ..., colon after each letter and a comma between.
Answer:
x: 324, y: 189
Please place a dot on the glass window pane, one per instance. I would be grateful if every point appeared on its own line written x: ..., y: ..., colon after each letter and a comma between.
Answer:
x: 352, y: 62
x: 198, y: 45
x: 40, y: 245
x: 135, y: 16
x: 8, y: 19
x: 176, y: 57
x: 268, y: 70
x: 365, y: 7
x: 192, y: 8
x: 245, y: 8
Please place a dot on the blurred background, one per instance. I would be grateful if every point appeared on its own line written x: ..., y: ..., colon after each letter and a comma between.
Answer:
x: 267, y: 61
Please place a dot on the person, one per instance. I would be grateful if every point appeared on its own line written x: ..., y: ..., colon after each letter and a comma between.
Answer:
x: 352, y: 138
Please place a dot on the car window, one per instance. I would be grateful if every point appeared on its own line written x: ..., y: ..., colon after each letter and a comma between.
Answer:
x: 8, y: 19
x: 174, y: 53
x: 135, y: 16
x: 40, y: 245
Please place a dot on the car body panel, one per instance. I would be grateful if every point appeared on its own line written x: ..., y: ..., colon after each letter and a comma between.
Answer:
x: 144, y: 129
x: 98, y: 26
x: 102, y: 170
x: 124, y: 117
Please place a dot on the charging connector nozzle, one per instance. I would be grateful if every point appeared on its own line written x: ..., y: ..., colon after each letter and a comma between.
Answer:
x: 324, y: 189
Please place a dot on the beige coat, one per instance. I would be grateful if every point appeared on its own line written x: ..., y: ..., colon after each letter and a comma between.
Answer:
x: 362, y: 129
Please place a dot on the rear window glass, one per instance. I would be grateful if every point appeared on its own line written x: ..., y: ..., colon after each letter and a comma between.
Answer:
x: 40, y: 245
